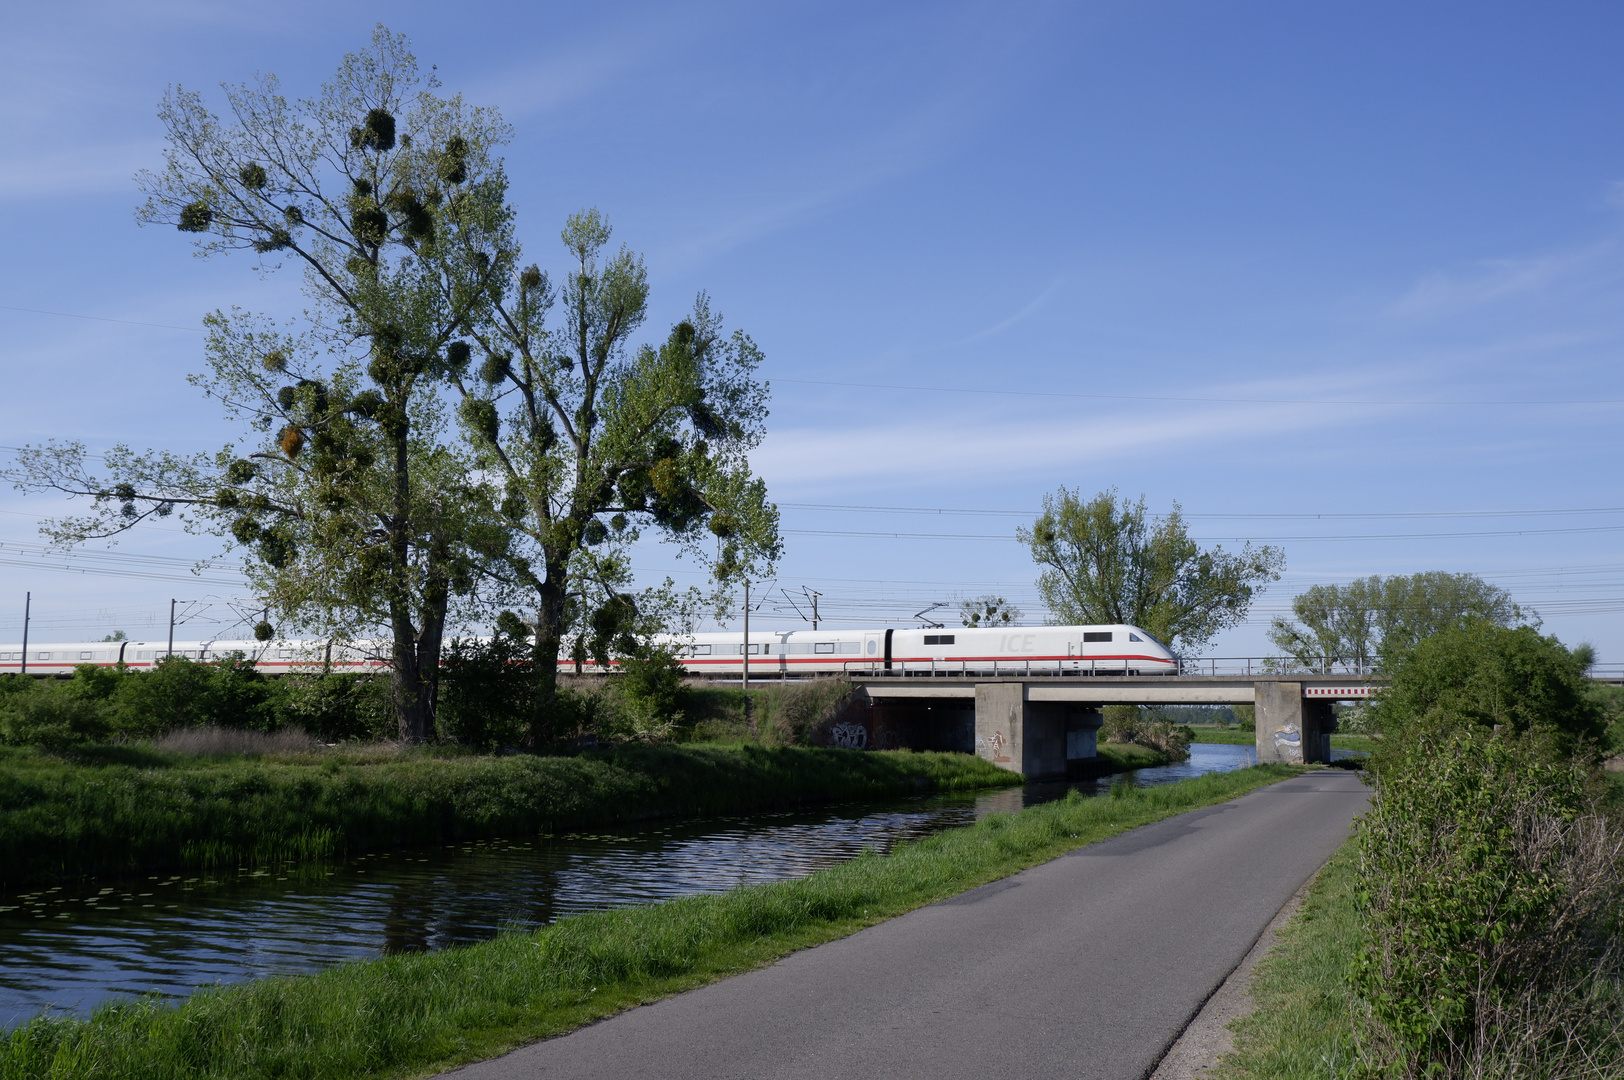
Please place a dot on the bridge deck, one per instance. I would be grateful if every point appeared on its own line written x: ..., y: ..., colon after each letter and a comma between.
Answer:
x: 1119, y: 689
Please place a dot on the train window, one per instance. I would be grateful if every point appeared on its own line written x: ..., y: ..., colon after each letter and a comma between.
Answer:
x: 938, y: 639
x: 42, y: 656
x: 754, y: 649
x: 87, y: 656
x: 824, y: 647
x: 1136, y: 637
x: 1096, y: 635
x: 702, y: 650
x: 284, y: 654
x: 851, y: 646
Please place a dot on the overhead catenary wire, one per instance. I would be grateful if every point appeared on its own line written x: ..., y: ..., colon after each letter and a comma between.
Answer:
x: 1200, y: 399
x: 1225, y: 539
x: 1310, y: 516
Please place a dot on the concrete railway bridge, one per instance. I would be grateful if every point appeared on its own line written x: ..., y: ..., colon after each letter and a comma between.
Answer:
x: 1047, y: 726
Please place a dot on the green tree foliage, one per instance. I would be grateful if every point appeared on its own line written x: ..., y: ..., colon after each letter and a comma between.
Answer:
x: 1107, y: 561
x: 1481, y: 675
x: 988, y: 611
x: 1358, y: 622
x: 353, y: 510
x: 591, y: 441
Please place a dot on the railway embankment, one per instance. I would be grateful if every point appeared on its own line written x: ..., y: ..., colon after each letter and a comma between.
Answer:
x: 118, y: 810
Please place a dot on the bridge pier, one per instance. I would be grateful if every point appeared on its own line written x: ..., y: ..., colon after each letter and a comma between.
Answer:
x: 1037, y: 738
x: 1290, y: 727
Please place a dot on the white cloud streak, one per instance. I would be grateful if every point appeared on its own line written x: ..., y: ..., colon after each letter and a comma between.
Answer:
x: 1491, y: 281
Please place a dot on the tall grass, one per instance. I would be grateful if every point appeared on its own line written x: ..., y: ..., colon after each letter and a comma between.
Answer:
x: 412, y: 1014
x: 111, y: 810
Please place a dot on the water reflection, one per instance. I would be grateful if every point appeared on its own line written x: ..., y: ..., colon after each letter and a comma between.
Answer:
x: 171, y: 933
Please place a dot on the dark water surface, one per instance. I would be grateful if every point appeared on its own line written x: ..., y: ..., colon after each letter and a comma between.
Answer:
x: 71, y: 950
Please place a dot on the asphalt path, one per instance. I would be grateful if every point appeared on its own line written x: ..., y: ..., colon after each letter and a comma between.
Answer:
x: 1086, y: 966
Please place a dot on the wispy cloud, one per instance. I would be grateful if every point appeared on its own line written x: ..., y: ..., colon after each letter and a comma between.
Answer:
x: 1490, y: 281
x: 94, y: 169
x: 1030, y: 309
x: 581, y: 69
x: 956, y: 448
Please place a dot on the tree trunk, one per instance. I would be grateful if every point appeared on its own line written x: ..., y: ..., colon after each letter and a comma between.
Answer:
x: 411, y: 707
x: 551, y: 598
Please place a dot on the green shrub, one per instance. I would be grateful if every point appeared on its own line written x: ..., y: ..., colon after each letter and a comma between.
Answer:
x: 338, y: 707
x: 793, y: 712
x: 1610, y: 700
x: 490, y: 693
x: 177, y: 692
x: 51, y: 716
x: 1511, y: 680
x: 654, y: 693
x: 1491, y: 896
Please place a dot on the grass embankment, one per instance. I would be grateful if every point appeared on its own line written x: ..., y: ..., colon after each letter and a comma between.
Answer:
x: 124, y: 810
x: 1237, y: 737
x: 1120, y: 757
x: 1301, y: 1026
x: 414, y: 1014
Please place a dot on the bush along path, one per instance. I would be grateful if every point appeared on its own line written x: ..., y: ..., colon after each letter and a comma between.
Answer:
x: 411, y: 1015
x: 67, y: 818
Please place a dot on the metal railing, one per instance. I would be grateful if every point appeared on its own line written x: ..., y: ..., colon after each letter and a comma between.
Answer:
x: 1275, y: 665
x: 1008, y: 669
x: 1244, y: 666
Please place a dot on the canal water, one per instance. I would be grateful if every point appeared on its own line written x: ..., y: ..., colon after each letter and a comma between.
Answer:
x: 68, y: 951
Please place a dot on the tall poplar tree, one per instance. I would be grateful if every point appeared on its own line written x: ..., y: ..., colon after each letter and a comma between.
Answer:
x: 589, y: 442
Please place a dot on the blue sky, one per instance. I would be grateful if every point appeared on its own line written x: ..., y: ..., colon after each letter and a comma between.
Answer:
x: 1266, y: 260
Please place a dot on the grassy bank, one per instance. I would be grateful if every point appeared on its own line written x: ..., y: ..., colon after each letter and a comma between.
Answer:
x: 1120, y: 757
x: 125, y: 810
x: 1301, y: 1027
x: 414, y: 1014
x: 1237, y: 737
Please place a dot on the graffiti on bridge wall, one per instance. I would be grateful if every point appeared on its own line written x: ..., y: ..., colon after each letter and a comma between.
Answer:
x: 849, y: 736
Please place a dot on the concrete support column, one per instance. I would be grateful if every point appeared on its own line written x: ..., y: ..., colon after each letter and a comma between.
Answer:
x: 1082, y: 733
x: 1000, y: 723
x: 1018, y: 735
x: 1288, y: 728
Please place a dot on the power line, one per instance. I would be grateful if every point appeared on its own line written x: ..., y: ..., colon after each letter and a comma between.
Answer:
x: 1190, y: 399
x: 948, y: 511
x: 113, y: 564
x: 1226, y: 539
x: 100, y: 318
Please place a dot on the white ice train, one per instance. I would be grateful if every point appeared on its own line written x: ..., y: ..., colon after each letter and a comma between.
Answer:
x: 1018, y: 650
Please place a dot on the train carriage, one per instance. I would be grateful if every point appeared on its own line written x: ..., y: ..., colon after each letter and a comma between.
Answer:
x: 1065, y: 650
